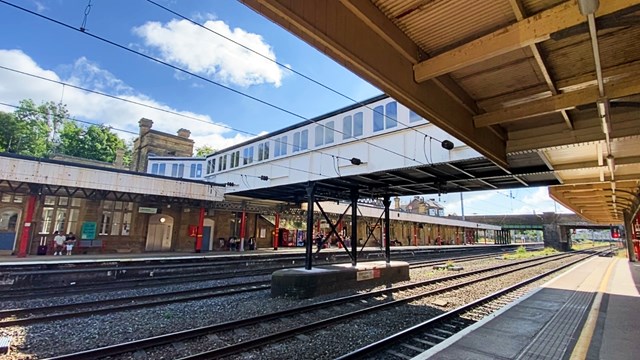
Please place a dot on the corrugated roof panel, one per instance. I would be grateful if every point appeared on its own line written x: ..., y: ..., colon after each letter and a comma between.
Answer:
x: 501, y: 80
x: 533, y: 7
x: 437, y: 25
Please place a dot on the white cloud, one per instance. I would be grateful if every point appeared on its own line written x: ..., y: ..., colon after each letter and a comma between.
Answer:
x: 100, y: 109
x: 184, y: 44
x: 39, y: 6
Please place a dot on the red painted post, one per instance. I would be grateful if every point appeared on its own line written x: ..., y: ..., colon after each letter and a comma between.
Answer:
x: 276, y: 229
x: 242, y: 229
x: 26, y: 233
x: 199, y: 231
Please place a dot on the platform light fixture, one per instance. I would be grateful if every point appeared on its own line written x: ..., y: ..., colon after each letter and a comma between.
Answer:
x: 588, y: 7
x: 447, y: 145
x: 162, y: 220
x: 356, y: 161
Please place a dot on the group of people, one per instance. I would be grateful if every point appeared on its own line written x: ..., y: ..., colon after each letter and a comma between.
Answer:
x: 235, y: 244
x: 322, y: 241
x: 63, y: 242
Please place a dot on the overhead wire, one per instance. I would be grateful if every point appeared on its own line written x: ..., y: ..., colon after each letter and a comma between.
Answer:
x: 162, y: 62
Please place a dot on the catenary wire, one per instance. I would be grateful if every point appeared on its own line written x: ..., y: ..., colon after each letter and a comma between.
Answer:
x: 200, y: 77
x: 286, y: 67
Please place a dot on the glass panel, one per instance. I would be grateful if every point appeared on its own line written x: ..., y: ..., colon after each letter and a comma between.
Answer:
x: 162, y: 169
x: 17, y: 198
x: 181, y: 170
x: 49, y: 200
x: 413, y: 117
x: 154, y: 168
x: 128, y: 206
x: 224, y: 162
x: 76, y: 202
x: 250, y: 159
x: 392, y: 115
x: 174, y: 170
x: 378, y: 118
x: 283, y: 146
x: 328, y: 133
x: 118, y: 205
x: 105, y: 223
x: 358, y: 123
x: 61, y: 216
x: 296, y: 142
x: 192, y: 170
x: 260, y: 150
x: 6, y: 197
x: 107, y: 204
x: 199, y: 170
x: 63, y: 201
x: 304, y: 140
x: 319, y: 135
x: 347, y: 125
x: 266, y: 150
x: 276, y: 148
x: 126, y: 224
x: 115, y: 225
x: 72, y: 224
x: 47, y: 219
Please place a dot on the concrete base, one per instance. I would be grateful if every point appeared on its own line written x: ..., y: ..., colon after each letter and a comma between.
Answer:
x: 301, y: 283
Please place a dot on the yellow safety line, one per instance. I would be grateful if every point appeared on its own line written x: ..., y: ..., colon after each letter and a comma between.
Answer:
x: 582, y: 346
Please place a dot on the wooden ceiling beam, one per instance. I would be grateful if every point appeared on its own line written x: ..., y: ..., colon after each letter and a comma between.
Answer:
x: 352, y: 36
x: 525, y: 32
x: 556, y: 103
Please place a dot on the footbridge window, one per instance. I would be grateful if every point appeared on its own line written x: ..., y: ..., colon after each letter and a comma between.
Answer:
x: 385, y: 117
x: 247, y: 155
x: 352, y: 126
x: 300, y: 140
x: 263, y: 151
x: 280, y: 148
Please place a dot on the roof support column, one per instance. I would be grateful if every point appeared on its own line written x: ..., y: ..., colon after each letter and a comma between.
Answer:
x: 354, y: 226
x: 387, y: 244
x: 311, y: 199
x: 628, y: 229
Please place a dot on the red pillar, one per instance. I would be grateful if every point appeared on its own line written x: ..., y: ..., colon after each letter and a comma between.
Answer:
x: 276, y: 229
x: 26, y: 233
x: 243, y: 229
x: 199, y: 231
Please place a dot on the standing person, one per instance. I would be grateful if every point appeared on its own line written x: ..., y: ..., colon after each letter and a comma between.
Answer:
x: 58, y: 243
x: 71, y: 241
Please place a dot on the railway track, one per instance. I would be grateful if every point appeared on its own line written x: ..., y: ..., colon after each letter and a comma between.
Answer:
x: 25, y: 316
x: 364, y: 303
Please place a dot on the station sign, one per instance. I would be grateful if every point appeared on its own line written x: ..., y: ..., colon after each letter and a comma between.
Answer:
x: 147, y: 210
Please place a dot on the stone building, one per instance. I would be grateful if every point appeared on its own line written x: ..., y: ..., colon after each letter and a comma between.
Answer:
x: 156, y: 143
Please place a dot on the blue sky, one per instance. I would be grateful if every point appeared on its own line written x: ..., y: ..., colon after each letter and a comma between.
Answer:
x: 38, y: 46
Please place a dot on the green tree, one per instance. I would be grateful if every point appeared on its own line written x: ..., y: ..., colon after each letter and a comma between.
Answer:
x: 204, y: 150
x: 27, y: 136
x: 96, y: 142
x: 51, y: 114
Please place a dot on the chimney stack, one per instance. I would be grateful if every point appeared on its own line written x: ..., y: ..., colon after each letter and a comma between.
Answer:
x: 184, y: 133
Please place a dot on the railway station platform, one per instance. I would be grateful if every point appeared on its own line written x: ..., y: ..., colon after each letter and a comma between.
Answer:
x: 589, y: 312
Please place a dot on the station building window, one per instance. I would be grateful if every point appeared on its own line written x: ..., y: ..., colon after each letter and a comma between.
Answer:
x: 263, y: 151
x: 59, y: 213
x: 385, y: 117
x: 115, y: 218
x: 11, y: 198
x: 211, y: 167
x: 247, y: 155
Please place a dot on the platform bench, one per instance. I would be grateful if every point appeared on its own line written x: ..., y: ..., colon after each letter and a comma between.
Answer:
x: 86, y: 244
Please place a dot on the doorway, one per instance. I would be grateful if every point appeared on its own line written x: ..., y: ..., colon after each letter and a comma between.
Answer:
x: 159, y: 233
x: 207, y: 235
x: 8, y: 228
